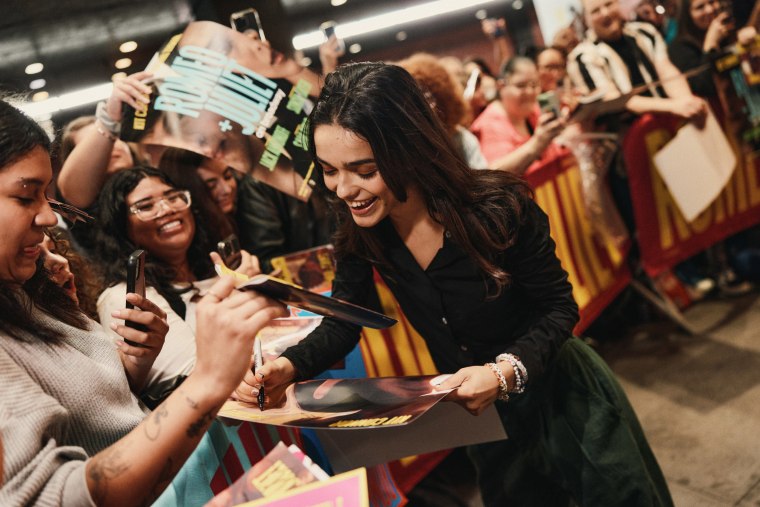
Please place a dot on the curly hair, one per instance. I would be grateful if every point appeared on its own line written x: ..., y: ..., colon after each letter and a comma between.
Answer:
x: 114, y: 246
x: 445, y: 91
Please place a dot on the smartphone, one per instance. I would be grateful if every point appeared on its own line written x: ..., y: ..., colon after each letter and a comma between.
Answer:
x: 328, y: 28
x: 549, y: 103
x: 246, y: 20
x: 136, y: 284
x: 229, y: 250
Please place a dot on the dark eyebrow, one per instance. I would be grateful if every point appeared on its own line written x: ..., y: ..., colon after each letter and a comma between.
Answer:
x: 167, y: 192
x: 354, y: 163
x: 34, y: 182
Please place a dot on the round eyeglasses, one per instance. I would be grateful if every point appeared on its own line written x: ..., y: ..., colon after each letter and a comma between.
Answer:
x: 150, y: 209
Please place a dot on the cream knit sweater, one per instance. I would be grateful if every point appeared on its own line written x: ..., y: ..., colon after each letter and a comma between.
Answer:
x: 59, y: 404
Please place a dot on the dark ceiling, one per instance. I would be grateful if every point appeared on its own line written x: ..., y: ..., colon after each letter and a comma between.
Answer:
x: 78, y: 40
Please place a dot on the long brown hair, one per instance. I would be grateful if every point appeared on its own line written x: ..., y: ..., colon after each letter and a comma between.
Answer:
x: 382, y: 103
x: 19, y: 135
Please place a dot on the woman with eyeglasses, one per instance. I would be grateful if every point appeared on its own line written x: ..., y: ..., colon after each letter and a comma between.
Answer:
x: 141, y: 207
x: 514, y: 134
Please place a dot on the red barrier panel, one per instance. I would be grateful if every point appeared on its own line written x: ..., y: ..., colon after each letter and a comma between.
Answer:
x: 596, y: 267
x: 664, y: 236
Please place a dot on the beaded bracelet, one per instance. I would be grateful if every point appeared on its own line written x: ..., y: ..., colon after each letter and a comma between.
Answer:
x: 503, y: 386
x: 521, y: 374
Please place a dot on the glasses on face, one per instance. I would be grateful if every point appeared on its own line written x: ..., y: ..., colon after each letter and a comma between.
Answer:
x: 149, y: 209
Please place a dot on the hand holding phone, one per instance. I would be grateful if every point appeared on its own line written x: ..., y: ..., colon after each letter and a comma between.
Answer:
x: 135, y: 284
x: 229, y: 250
x: 549, y: 103
x: 246, y: 21
x: 328, y: 28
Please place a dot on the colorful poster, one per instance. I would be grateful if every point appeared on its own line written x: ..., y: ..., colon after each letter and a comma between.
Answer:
x: 219, y: 93
x: 345, y: 490
x: 361, y: 403
x: 665, y: 238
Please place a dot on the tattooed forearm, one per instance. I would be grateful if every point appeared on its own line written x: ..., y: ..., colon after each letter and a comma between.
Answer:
x: 164, y: 478
x: 189, y: 400
x: 200, y: 425
x: 103, y: 467
x: 153, y: 423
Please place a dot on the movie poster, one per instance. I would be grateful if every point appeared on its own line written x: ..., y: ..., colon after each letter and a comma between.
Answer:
x: 359, y: 403
x: 222, y: 94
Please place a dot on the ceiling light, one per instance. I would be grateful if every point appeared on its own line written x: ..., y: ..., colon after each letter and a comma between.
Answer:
x: 123, y: 63
x: 128, y: 46
x: 90, y: 95
x: 37, y: 84
x: 118, y: 75
x: 34, y: 68
x: 517, y: 5
x: 354, y: 48
x: 481, y: 14
x: 387, y: 20
x: 401, y: 36
x: 336, y: 3
x: 37, y: 97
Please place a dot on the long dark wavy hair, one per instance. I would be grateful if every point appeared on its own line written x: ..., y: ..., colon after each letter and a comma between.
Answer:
x: 113, y: 245
x: 19, y: 136
x: 382, y: 103
x: 182, y: 167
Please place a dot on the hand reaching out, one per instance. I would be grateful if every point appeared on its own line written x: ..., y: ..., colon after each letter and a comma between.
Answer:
x: 329, y: 53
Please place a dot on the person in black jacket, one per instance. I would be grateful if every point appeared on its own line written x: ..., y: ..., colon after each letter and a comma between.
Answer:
x: 469, y: 258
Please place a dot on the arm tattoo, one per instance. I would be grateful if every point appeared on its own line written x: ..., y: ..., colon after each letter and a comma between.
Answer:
x: 106, y: 465
x: 153, y: 423
x: 189, y: 400
x: 200, y: 425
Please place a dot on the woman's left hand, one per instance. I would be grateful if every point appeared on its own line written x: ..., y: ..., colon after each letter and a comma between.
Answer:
x: 249, y: 264
x: 141, y: 347
x: 478, y: 388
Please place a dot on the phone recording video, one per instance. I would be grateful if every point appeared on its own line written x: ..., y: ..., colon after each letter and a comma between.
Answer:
x: 229, y: 250
x: 328, y: 28
x: 135, y: 284
x: 246, y: 21
x: 548, y: 102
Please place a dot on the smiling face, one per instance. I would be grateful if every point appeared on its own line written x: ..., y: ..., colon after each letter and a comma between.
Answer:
x: 520, y: 90
x: 350, y: 171
x: 703, y: 12
x: 58, y: 266
x: 221, y: 183
x: 605, y: 18
x: 167, y: 236
x: 551, y: 68
x: 24, y: 214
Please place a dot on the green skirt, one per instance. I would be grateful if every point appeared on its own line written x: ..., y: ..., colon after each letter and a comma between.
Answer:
x: 573, y: 439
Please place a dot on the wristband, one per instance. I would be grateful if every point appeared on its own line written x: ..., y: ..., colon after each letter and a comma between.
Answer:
x: 103, y: 132
x: 112, y: 126
x: 503, y: 386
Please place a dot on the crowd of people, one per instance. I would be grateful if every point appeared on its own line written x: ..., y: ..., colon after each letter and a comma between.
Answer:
x: 419, y: 170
